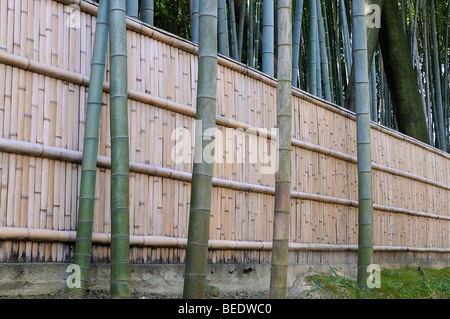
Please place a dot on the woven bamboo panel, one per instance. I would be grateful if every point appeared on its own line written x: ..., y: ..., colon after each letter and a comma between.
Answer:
x: 43, y: 102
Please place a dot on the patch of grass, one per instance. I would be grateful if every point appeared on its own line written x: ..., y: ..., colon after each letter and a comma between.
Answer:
x: 407, y: 283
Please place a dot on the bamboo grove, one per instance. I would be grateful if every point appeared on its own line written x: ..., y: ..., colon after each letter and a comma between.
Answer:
x: 385, y: 60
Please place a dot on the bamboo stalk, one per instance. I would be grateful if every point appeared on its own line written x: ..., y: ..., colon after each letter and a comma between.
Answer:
x: 323, y: 54
x: 241, y: 29
x: 437, y: 82
x: 346, y: 40
x: 255, y: 63
x: 312, y: 44
x: 222, y: 27
x: 147, y: 12
x: 268, y: 28
x: 278, y: 275
x: 201, y: 188
x: 120, y: 267
x: 296, y: 41
x: 328, y: 50
x: 132, y: 7
x: 89, y: 163
x: 365, y: 213
x: 250, y: 34
x: 194, y: 20
x: 234, y: 42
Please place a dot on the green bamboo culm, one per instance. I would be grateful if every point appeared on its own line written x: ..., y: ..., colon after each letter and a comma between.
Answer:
x: 201, y: 187
x: 323, y: 53
x: 120, y: 229
x: 250, y: 34
x: 373, y: 31
x: 437, y: 82
x: 222, y: 27
x: 278, y: 275
x: 297, y: 29
x: 346, y: 40
x: 241, y: 28
x: 147, y: 11
x: 268, y: 28
x: 132, y: 8
x: 257, y: 27
x: 83, y: 244
x: 365, y: 200
x: 312, y: 45
x: 234, y: 42
x: 446, y: 79
x: 194, y: 21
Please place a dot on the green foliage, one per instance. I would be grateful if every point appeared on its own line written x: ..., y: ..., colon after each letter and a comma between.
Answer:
x: 407, y: 283
x: 173, y: 16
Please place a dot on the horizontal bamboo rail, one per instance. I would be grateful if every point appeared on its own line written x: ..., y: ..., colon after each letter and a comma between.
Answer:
x: 43, y: 151
x: 75, y: 78
x: 42, y: 235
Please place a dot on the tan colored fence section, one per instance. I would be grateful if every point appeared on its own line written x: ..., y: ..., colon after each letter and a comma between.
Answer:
x: 45, y: 65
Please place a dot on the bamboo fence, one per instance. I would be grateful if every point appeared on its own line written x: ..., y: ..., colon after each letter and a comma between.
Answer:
x: 45, y: 65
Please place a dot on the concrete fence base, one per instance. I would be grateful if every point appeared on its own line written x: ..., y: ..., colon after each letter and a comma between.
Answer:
x: 18, y: 280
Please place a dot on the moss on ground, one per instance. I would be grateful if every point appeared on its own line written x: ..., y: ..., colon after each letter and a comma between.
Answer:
x: 407, y: 283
